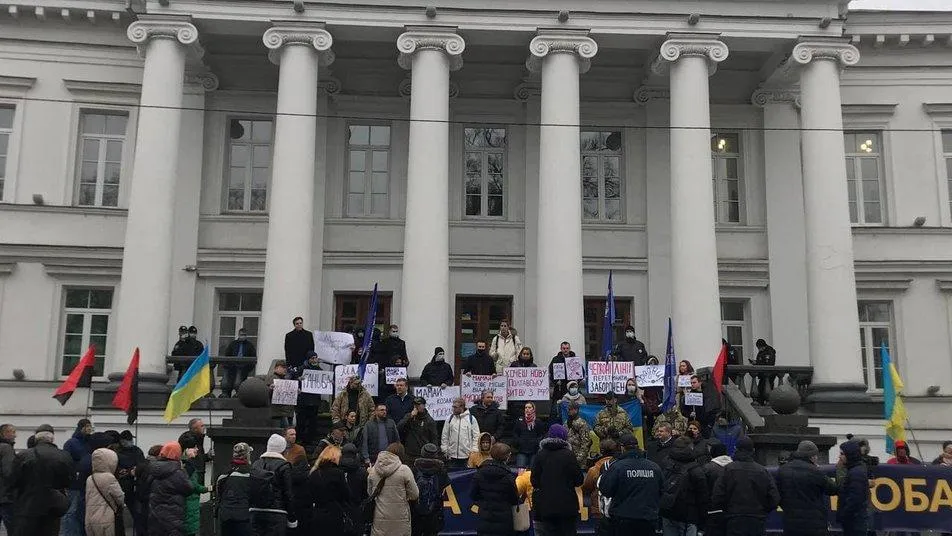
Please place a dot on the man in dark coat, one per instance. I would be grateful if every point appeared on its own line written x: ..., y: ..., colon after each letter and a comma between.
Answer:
x: 555, y: 475
x: 400, y: 403
x: 427, y: 520
x: 494, y: 492
x: 490, y: 418
x: 684, y: 502
x: 853, y: 492
x: 194, y: 437
x: 40, y: 478
x: 804, y: 493
x: 391, y: 351
x: 746, y: 493
x: 8, y: 438
x: 297, y: 343
x: 633, y: 483
x: 130, y: 456
x: 379, y: 432
x: 77, y: 447
x: 234, y: 375
x: 417, y: 429
x: 630, y: 349
x: 713, y: 471
x: 479, y: 363
x: 559, y: 388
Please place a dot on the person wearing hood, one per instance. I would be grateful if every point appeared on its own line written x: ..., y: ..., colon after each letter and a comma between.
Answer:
x: 355, y: 474
x: 379, y: 432
x: 460, y: 436
x: 805, y: 492
x: 580, y: 438
x: 417, y: 429
x: 273, y: 514
x: 130, y: 456
x: 77, y: 447
x: 713, y: 470
x: 394, y: 486
x: 528, y: 432
x: 391, y: 351
x: 853, y: 492
x: 480, y: 362
x: 437, y: 372
x: 746, y: 493
x: 728, y: 433
x: 432, y: 479
x: 633, y: 483
x: 233, y: 491
x: 685, y: 499
x: 505, y: 347
x: 329, y: 493
x: 609, y: 450
x: 902, y: 456
x: 945, y: 458
x: 612, y: 421
x: 168, y: 486
x: 559, y: 387
x: 354, y: 398
x: 630, y: 349
x: 482, y: 453
x: 39, y: 481
x: 573, y: 394
x: 494, y: 492
x: 555, y: 475
x: 490, y: 418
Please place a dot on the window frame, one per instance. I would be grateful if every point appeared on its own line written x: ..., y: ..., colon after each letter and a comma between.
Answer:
x: 622, y: 169
x: 853, y: 160
x: 870, y: 353
x: 226, y: 166
x: 946, y: 162
x: 721, y: 202
x: 9, y: 132
x: 624, y: 317
x: 744, y: 325
x: 484, y: 179
x: 87, y: 313
x: 368, y: 171
x: 239, y: 315
x: 126, y: 154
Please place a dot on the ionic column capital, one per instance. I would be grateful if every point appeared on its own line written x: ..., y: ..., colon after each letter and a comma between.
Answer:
x: 806, y: 51
x: 772, y: 95
x: 678, y: 46
x: 299, y: 34
x: 647, y: 93
x: 561, y: 42
x: 444, y: 39
x: 180, y: 29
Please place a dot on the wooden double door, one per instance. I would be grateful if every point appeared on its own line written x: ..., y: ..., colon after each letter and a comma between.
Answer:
x: 478, y: 318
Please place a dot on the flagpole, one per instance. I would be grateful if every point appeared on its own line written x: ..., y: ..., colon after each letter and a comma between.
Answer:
x: 89, y: 399
x: 914, y: 440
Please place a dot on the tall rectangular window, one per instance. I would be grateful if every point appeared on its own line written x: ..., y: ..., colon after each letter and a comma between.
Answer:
x: 875, y: 329
x: 86, y: 313
x: 864, y: 176
x: 594, y: 315
x: 368, y: 181
x: 601, y: 154
x: 485, y: 160
x: 238, y: 309
x: 946, y: 154
x: 6, y: 130
x: 249, y: 164
x: 728, y: 169
x: 734, y: 324
x: 102, y: 137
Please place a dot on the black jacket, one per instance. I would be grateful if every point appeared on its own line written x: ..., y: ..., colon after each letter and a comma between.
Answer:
x: 168, y: 486
x: 369, y: 440
x: 804, y: 496
x: 659, y: 453
x: 418, y: 431
x: 558, y: 388
x: 187, y: 347
x: 853, y: 494
x: 301, y: 488
x: 634, y: 485
x: 355, y: 475
x: 398, y: 408
x: 437, y: 373
x: 693, y: 498
x: 526, y: 440
x: 247, y: 349
x: 491, y: 420
x: 555, y: 475
x: 480, y: 364
x: 766, y: 356
x: 746, y: 489
x: 232, y: 490
x: 427, y: 467
x: 384, y: 352
x: 130, y: 456
x: 494, y: 492
x: 307, y: 400
x: 282, y: 499
x: 331, y: 497
x: 633, y: 350
x: 40, y: 474
x: 7, y: 455
x: 190, y: 439
x: 713, y: 471
x: 296, y: 346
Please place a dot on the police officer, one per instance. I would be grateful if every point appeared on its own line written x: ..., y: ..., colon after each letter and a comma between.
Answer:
x: 633, y: 483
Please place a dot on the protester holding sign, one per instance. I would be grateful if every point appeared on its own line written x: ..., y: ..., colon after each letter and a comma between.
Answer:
x: 353, y: 398
x: 558, y: 375
x: 574, y: 394
x: 417, y: 429
x: 307, y: 404
x: 283, y: 413
x: 437, y: 371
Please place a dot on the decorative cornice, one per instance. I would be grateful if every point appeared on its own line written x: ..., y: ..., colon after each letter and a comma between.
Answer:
x: 841, y: 52
x: 16, y: 85
x: 645, y: 94
x: 405, y: 89
x: 302, y: 34
x: 104, y: 92
x: 775, y: 95
x: 180, y: 29
x: 937, y: 108
x: 564, y: 42
x: 6, y: 268
x: 444, y: 39
x: 709, y: 47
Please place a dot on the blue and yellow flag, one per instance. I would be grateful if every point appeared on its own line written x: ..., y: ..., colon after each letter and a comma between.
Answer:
x: 194, y: 384
x: 590, y: 411
x: 894, y: 410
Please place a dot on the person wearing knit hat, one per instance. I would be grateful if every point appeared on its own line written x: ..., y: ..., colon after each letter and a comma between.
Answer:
x: 437, y: 371
x: 277, y: 444
x: 275, y: 509
x: 233, y: 490
x: 746, y: 492
x: 241, y: 451
x: 169, y: 489
x: 559, y: 432
x: 171, y: 451
x: 902, y: 456
x: 554, y: 477
x: 804, y: 491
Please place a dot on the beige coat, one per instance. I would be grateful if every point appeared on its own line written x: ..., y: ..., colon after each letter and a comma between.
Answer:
x: 392, y: 513
x: 100, y: 511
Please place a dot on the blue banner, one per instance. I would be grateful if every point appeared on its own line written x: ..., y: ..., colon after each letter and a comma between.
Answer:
x: 906, y: 498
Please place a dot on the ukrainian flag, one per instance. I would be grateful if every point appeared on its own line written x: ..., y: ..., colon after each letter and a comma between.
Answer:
x: 195, y: 383
x: 590, y: 411
x: 894, y: 410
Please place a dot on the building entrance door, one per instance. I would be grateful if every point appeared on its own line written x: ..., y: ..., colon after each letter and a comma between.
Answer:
x: 478, y: 318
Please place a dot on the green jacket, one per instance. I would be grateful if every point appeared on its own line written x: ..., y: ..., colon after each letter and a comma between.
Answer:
x: 612, y: 423
x: 193, y: 504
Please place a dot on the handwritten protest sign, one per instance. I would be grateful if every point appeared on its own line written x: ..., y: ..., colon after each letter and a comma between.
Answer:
x: 575, y: 368
x: 285, y: 392
x: 650, y: 376
x: 527, y: 383
x: 395, y: 373
x: 694, y: 399
x: 622, y: 371
x: 342, y: 374
x: 333, y: 347
x: 473, y: 386
x: 439, y: 400
x: 317, y: 382
x: 558, y: 371
x: 605, y: 376
x: 684, y: 380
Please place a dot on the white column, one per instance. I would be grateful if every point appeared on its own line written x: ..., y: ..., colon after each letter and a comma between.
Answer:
x: 695, y: 295
x: 430, y: 53
x: 299, y: 49
x: 831, y: 284
x: 560, y: 56
x: 145, y: 288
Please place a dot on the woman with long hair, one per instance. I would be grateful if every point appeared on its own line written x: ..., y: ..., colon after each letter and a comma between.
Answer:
x: 330, y: 494
x: 528, y: 431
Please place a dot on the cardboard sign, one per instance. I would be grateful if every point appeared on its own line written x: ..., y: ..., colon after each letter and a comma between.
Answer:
x: 605, y: 376
x: 395, y: 373
x: 622, y: 371
x: 317, y: 382
x: 333, y: 347
x: 684, y: 380
x: 693, y: 399
x: 650, y: 376
x: 473, y: 386
x: 575, y: 368
x: 558, y: 371
x: 343, y: 373
x: 285, y: 392
x: 439, y: 400
x: 527, y: 383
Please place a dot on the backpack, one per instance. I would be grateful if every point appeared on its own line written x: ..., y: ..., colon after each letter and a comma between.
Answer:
x: 675, y: 482
x: 604, y: 503
x: 261, y: 489
x: 431, y: 496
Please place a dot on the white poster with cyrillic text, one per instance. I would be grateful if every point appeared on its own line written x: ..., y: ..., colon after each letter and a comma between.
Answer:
x: 343, y: 373
x: 333, y: 347
x: 527, y: 383
x: 317, y: 382
x: 284, y: 393
x: 473, y: 386
x: 439, y: 400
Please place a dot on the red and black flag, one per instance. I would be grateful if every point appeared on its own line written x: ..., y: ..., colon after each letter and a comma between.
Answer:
x: 81, y: 376
x: 127, y: 397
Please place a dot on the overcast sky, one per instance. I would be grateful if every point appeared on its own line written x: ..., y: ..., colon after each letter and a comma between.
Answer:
x: 924, y: 5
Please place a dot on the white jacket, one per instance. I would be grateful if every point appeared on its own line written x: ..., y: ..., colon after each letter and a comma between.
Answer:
x: 505, y: 351
x: 460, y: 436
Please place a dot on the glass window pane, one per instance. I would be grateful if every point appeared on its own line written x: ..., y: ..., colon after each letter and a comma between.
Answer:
x: 89, y: 172
x: 77, y: 298
x: 6, y: 117
x: 379, y: 185
x: 473, y: 185
x: 495, y: 185
x: 730, y: 168
x: 495, y: 205
x: 236, y: 199
x: 381, y: 161
x: 878, y: 311
x: 94, y: 123
x: 612, y: 141
x: 99, y: 324
x: 612, y: 187
x: 259, y: 199
x: 948, y: 169
x: 497, y: 137
x: 589, y: 187
x: 380, y: 136
x: 732, y: 311
x: 473, y: 205
x: 73, y: 344
x: 474, y: 163
x: 251, y: 301
x: 588, y: 141
x: 358, y: 160
x: 90, y: 149
x: 495, y: 163
x: 111, y: 173
x: 871, y: 190
x: 261, y: 131
x: 356, y: 183
x: 116, y: 125
x: 590, y: 166
x: 229, y: 301
x: 87, y: 194
x: 74, y: 324
x: 610, y: 166
x: 734, y: 333
x: 259, y: 177
x: 869, y: 168
x: 250, y: 323
x: 590, y: 209
x: 612, y: 209
x: 355, y: 204
x: 733, y: 212
x: 873, y: 212
x: 359, y: 135
x: 4, y: 140
x: 854, y: 217
x: 379, y: 204
x: 239, y: 155
x: 946, y: 139
x: 261, y: 155
x: 226, y: 326
x: 114, y: 151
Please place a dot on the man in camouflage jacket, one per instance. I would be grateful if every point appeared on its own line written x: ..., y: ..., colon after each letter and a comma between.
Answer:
x: 612, y: 421
x: 580, y: 441
x: 674, y: 419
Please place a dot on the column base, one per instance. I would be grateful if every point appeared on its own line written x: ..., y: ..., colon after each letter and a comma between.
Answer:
x: 841, y: 399
x: 154, y: 390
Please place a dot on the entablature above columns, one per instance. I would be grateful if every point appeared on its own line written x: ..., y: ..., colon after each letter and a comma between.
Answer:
x: 561, y: 41
x: 295, y: 33
x: 443, y: 38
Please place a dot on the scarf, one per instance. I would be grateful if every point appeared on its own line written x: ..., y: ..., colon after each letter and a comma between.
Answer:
x: 530, y: 417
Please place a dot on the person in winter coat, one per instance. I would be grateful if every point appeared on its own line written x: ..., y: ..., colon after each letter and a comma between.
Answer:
x: 432, y: 479
x: 437, y: 372
x: 580, y: 439
x: 673, y: 417
x: 713, y: 470
x: 400, y: 403
x: 232, y: 490
x: 329, y: 492
x: 130, y: 456
x: 379, y: 432
x: 168, y: 486
x: 555, y: 475
x: 630, y: 349
x: 282, y: 414
x: 390, y: 351
x: 8, y: 437
x: 853, y: 493
x: 698, y: 443
x: 633, y: 483
x: 193, y: 500
x: 685, y: 499
x: 397, y: 489
x: 354, y: 398
x: 233, y: 375
x: 493, y: 491
x: 482, y: 454
x: 417, y: 429
x: 612, y: 421
x: 728, y: 433
x: 77, y: 447
x: 746, y: 493
x: 609, y: 450
x: 944, y: 459
x: 308, y: 404
x: 805, y: 492
x: 491, y: 419
x: 272, y: 515
x: 104, y: 496
x: 660, y: 448
x: 528, y: 432
x: 297, y: 343
x: 573, y: 394
x: 902, y: 456
x: 559, y: 388
x: 351, y: 428
x: 40, y: 478
x: 301, y: 491
x: 505, y: 347
x: 460, y: 436
x: 480, y: 362
x: 355, y: 474
x: 143, y: 487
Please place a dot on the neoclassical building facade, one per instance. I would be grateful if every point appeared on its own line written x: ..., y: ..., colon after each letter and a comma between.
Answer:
x: 753, y: 169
